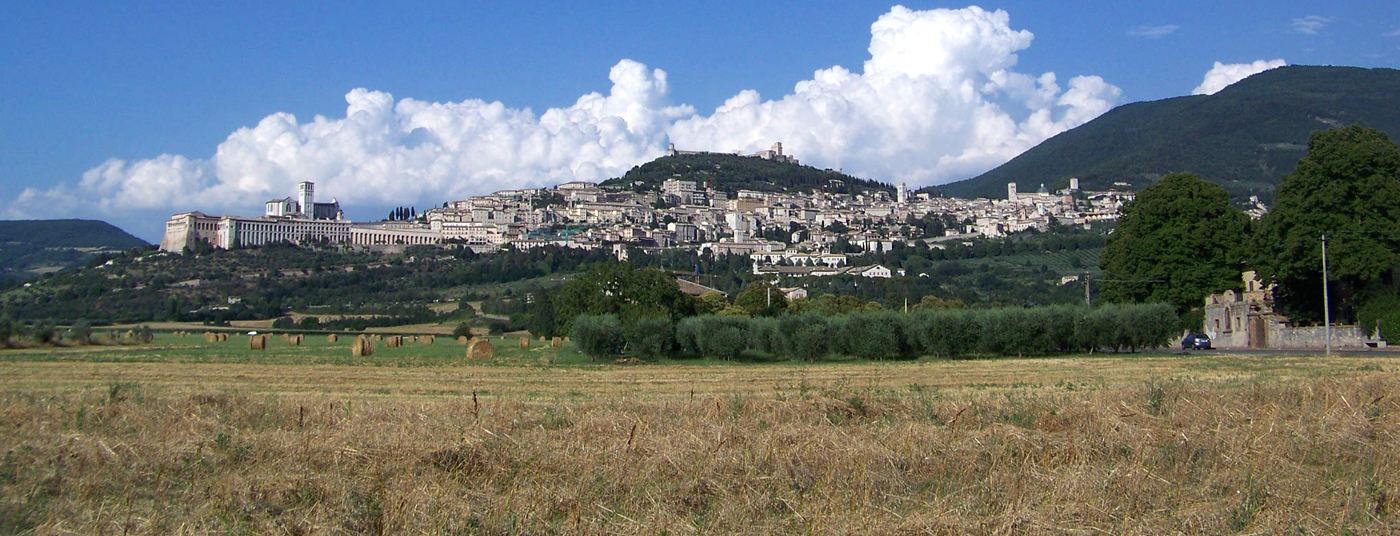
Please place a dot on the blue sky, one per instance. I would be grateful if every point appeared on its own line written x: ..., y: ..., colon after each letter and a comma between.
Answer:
x: 129, y: 111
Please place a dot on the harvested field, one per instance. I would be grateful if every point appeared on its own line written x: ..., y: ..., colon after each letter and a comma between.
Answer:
x: 1166, y: 444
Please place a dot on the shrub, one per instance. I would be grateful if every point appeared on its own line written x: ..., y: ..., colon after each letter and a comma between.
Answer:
x: 715, y: 336
x: 811, y: 341
x: 764, y: 335
x: 724, y: 342
x: 877, y: 335
x: 462, y: 330
x: 80, y: 332
x: 651, y: 337
x: 597, y: 335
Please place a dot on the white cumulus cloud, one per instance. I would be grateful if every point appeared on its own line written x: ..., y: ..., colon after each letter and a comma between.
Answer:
x: 1224, y: 74
x: 938, y: 100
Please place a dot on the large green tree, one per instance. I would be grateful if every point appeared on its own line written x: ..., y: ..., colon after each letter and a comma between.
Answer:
x: 621, y: 289
x: 1347, y: 188
x: 1179, y: 241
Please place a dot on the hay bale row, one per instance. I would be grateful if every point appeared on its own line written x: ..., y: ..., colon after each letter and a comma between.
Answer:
x: 481, y: 349
x: 393, y: 341
x: 362, y: 346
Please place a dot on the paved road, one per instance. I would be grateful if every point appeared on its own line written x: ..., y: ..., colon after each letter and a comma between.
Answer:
x: 1393, y: 351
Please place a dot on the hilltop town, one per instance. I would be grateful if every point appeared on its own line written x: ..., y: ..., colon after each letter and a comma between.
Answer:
x: 797, y: 233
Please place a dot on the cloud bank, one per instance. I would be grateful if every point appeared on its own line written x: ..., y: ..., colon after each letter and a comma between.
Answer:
x: 1224, y: 74
x: 938, y: 100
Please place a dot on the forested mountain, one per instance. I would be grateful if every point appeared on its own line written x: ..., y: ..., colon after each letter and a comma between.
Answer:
x: 1245, y: 138
x: 29, y: 248
x: 731, y: 173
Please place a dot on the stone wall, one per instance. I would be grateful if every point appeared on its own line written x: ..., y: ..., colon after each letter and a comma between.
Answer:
x: 1315, y: 337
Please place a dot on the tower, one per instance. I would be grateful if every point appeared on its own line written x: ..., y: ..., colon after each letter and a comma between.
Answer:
x: 1074, y: 183
x: 1011, y: 192
x: 903, y: 197
x: 306, y: 195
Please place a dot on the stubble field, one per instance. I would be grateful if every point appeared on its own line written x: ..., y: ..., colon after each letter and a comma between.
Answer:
x: 184, y: 436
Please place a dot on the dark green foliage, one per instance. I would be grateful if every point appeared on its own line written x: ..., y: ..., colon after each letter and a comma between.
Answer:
x: 761, y: 299
x: 877, y: 335
x: 1178, y: 242
x: 42, y: 333
x: 44, y: 244
x: 651, y: 337
x: 143, y: 286
x: 462, y: 330
x: 1244, y: 138
x: 714, y: 336
x: 1381, y: 312
x: 623, y: 290
x: 731, y: 173
x: 598, y: 336
x: 1348, y: 187
x: 765, y: 335
x: 80, y: 332
x: 7, y: 329
x: 947, y: 333
x: 811, y: 340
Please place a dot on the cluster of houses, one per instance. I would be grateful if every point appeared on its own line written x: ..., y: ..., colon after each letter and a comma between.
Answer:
x: 787, y: 233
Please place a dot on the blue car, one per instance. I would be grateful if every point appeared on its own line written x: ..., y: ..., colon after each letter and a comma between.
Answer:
x: 1195, y: 341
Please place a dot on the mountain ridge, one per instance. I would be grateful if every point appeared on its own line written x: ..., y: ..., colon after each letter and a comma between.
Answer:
x: 1245, y: 137
x: 31, y: 248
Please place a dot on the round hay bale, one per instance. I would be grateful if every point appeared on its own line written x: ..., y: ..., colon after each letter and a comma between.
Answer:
x: 481, y: 349
x: 257, y: 342
x: 362, y: 346
x: 525, y: 342
x: 462, y: 340
x: 332, y: 338
x: 427, y: 339
x: 556, y: 342
x: 223, y: 337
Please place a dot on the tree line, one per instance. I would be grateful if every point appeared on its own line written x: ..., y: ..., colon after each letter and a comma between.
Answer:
x: 1181, y: 239
x: 882, y: 335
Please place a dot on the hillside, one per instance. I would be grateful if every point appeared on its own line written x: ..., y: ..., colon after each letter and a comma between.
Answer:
x: 1245, y: 138
x: 731, y: 173
x: 30, y: 248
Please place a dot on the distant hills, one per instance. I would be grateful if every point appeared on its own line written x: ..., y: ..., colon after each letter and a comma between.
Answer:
x: 730, y: 173
x: 30, y: 248
x: 1245, y: 138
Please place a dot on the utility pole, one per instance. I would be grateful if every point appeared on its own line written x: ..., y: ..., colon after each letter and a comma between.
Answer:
x: 1326, y: 306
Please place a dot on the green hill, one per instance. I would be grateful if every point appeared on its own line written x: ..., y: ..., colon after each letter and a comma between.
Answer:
x: 30, y: 248
x: 731, y: 173
x: 1245, y: 138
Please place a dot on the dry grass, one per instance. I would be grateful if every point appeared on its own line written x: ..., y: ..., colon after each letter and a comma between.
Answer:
x: 1078, y: 446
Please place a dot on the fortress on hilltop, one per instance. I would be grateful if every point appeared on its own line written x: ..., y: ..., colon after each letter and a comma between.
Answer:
x: 774, y: 153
